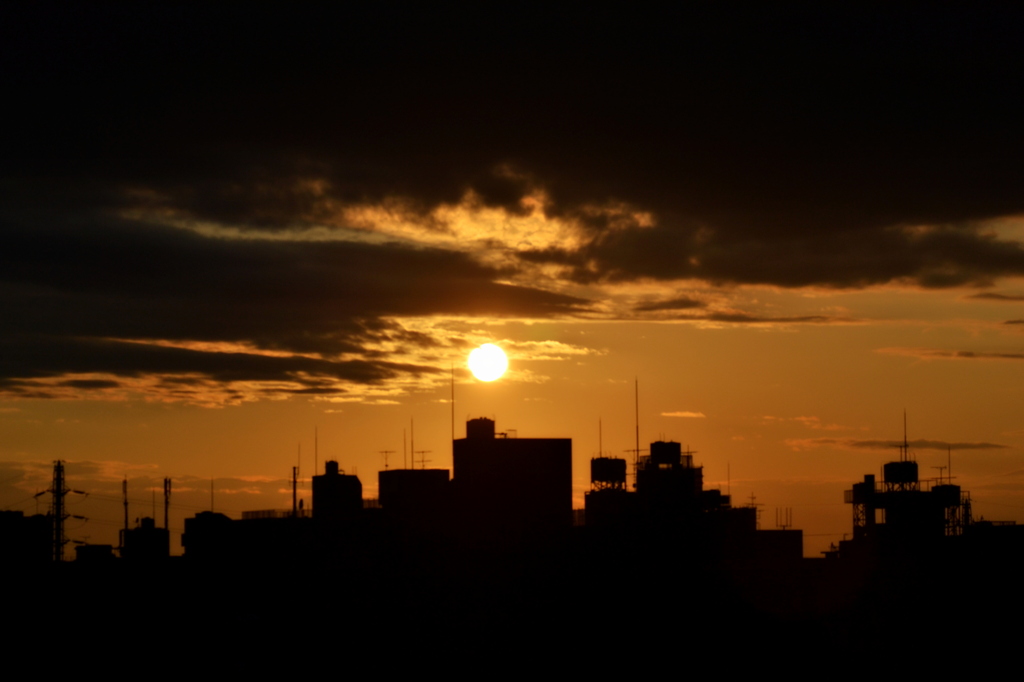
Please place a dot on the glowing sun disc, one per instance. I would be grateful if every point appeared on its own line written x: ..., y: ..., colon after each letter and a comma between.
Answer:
x: 488, y: 362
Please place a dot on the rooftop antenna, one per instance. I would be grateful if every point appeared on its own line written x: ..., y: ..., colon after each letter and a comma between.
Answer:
x: 636, y: 397
x: 124, y: 499
x: 757, y: 512
x: 905, y: 450
x: 167, y: 503
x: 385, y: 453
x: 423, y: 460
x: 453, y: 411
x: 295, y: 496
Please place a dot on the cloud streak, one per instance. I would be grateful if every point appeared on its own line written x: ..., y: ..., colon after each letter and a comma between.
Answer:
x: 939, y: 354
x: 858, y: 444
x: 993, y: 296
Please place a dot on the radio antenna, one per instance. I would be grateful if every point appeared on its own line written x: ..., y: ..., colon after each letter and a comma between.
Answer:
x: 636, y: 397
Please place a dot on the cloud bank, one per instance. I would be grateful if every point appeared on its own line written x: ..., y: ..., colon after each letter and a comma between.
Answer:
x: 253, y: 202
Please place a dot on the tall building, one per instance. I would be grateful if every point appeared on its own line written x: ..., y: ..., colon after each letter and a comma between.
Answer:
x: 511, y: 490
x: 336, y: 496
x: 145, y: 542
x: 415, y: 499
x: 671, y: 512
x: 904, y: 514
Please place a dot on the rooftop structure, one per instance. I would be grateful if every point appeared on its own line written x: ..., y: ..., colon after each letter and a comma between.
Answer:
x: 337, y: 496
x: 514, y: 489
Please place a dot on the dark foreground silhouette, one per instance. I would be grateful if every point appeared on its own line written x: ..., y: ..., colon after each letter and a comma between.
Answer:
x: 493, y: 559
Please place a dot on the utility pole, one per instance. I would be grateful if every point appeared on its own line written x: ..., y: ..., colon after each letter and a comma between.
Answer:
x: 58, y: 490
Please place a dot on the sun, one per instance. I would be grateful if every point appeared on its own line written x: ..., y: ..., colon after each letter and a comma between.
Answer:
x: 488, y: 362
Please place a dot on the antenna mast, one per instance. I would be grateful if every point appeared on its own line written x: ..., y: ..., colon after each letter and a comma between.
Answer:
x: 167, y: 503
x: 124, y: 499
x: 905, y: 452
x: 453, y: 411
x: 295, y: 498
x: 636, y: 396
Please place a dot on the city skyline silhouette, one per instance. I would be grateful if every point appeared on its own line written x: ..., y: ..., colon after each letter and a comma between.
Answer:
x: 762, y: 247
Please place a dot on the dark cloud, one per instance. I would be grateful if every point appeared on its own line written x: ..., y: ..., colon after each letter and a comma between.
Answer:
x: 939, y: 257
x: 93, y: 296
x: 969, y: 354
x: 771, y: 123
x: 991, y: 296
x: 40, y: 357
x: 919, y: 444
x: 133, y: 276
x: 683, y: 303
x: 746, y: 318
x: 925, y: 445
x: 90, y: 383
x: 795, y: 146
x: 935, y: 353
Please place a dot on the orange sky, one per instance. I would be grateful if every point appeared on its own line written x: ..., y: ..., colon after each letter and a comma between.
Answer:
x: 778, y: 409
x: 789, y: 225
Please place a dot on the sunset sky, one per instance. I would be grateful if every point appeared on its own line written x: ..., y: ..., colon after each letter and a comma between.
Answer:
x: 223, y: 228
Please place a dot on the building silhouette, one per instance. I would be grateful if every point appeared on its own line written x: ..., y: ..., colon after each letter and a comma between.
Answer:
x: 670, y: 508
x: 145, y: 542
x: 25, y: 540
x: 416, y: 501
x: 337, y: 496
x: 905, y: 518
x: 509, y: 491
x: 494, y: 544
